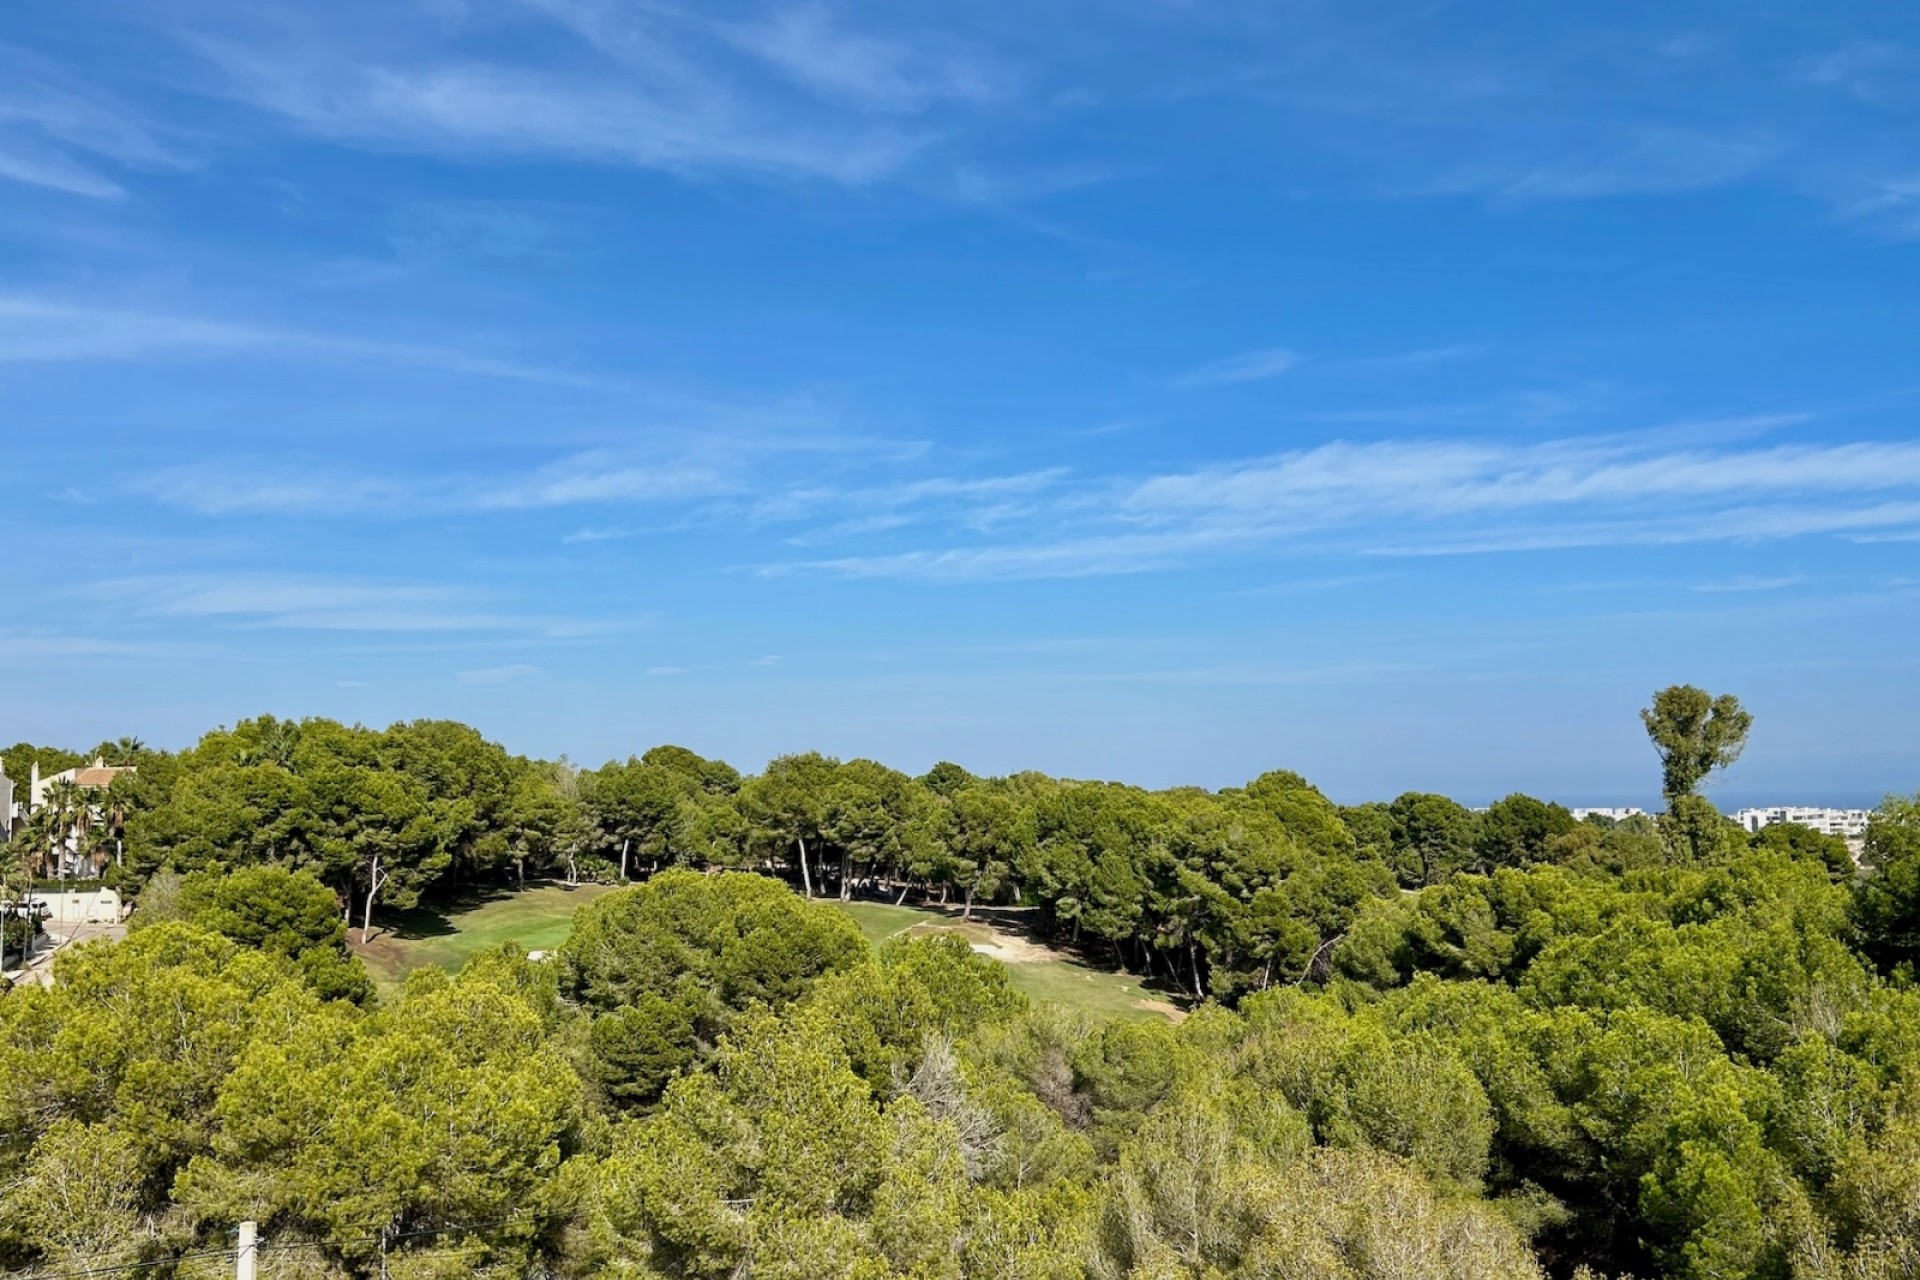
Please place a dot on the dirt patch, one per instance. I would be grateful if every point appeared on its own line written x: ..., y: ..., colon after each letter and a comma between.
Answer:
x: 1165, y: 1009
x: 988, y: 941
x: 383, y: 953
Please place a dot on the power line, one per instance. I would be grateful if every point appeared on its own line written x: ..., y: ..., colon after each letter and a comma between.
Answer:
x: 391, y: 1236
x: 229, y: 1254
x: 124, y: 1267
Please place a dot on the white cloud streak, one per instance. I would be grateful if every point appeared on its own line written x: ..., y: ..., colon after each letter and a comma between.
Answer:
x: 48, y: 119
x: 1448, y: 477
x: 498, y: 675
x: 1248, y: 366
x: 306, y: 603
x: 1752, y: 582
x: 789, y: 93
x: 1425, y: 498
x: 39, y: 330
x: 806, y: 45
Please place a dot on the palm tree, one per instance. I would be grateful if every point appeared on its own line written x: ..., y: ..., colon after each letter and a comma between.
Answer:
x: 39, y: 840
x: 121, y: 751
x: 68, y: 824
x: 275, y: 745
x: 16, y: 886
x: 114, y: 802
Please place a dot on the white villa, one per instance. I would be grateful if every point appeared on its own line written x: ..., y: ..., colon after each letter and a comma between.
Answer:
x: 73, y: 856
x: 99, y: 774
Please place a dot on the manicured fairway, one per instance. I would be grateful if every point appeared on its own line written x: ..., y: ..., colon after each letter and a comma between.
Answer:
x: 881, y: 920
x: 540, y: 918
x: 1040, y: 972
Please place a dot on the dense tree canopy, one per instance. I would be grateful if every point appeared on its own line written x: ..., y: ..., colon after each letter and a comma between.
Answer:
x: 1421, y: 1040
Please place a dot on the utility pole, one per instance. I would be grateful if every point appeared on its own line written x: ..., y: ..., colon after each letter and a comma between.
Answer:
x: 248, y: 1249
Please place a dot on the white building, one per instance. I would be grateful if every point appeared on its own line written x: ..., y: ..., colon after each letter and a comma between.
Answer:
x: 72, y: 856
x: 1851, y: 823
x: 1616, y: 815
x: 95, y: 776
x: 6, y: 803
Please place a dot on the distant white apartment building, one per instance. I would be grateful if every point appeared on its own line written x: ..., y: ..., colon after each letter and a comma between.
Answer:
x: 6, y: 804
x: 1851, y: 823
x: 1616, y: 815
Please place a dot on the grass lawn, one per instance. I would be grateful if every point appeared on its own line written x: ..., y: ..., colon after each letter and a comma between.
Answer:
x: 539, y: 919
x: 1098, y: 991
x: 881, y: 920
x: 1038, y: 972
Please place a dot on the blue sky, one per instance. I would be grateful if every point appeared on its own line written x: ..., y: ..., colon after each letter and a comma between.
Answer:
x: 1165, y: 391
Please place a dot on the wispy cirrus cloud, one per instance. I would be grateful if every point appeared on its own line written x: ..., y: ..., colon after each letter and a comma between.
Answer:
x: 1746, y: 582
x: 61, y: 133
x: 743, y: 480
x: 600, y: 533
x: 1877, y: 72
x: 36, y: 330
x: 1445, y: 477
x: 785, y: 92
x: 1248, y: 366
x: 508, y: 674
x: 317, y: 603
x: 271, y: 488
x: 977, y: 500
x: 810, y: 47
x: 1436, y: 497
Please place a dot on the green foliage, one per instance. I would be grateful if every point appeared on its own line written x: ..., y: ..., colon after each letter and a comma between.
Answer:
x: 673, y: 960
x: 1432, y: 838
x: 281, y: 912
x: 1799, y: 841
x: 395, y: 815
x: 1520, y: 831
x: 18, y: 761
x: 1308, y: 817
x: 451, y: 1106
x: 1887, y: 907
x: 1694, y: 734
x: 1697, y: 834
x: 1421, y: 1041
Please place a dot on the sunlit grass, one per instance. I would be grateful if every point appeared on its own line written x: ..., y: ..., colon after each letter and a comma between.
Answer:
x: 540, y: 918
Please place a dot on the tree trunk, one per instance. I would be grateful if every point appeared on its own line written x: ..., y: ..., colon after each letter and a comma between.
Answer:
x: 967, y: 914
x: 1193, y: 958
x: 373, y: 888
x: 846, y: 876
x: 806, y: 876
x: 904, y: 886
x: 624, y: 846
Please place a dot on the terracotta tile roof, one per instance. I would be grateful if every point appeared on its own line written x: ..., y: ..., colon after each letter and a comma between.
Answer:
x: 97, y: 777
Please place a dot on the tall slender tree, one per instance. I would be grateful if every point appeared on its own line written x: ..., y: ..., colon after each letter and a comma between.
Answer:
x: 1694, y: 733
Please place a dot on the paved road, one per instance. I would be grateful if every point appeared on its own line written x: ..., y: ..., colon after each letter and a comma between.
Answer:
x: 58, y: 939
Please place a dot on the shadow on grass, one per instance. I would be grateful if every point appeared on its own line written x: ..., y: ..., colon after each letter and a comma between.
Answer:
x: 1029, y: 922
x: 435, y: 919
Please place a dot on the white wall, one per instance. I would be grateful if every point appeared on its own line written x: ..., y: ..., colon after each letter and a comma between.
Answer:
x: 95, y: 906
